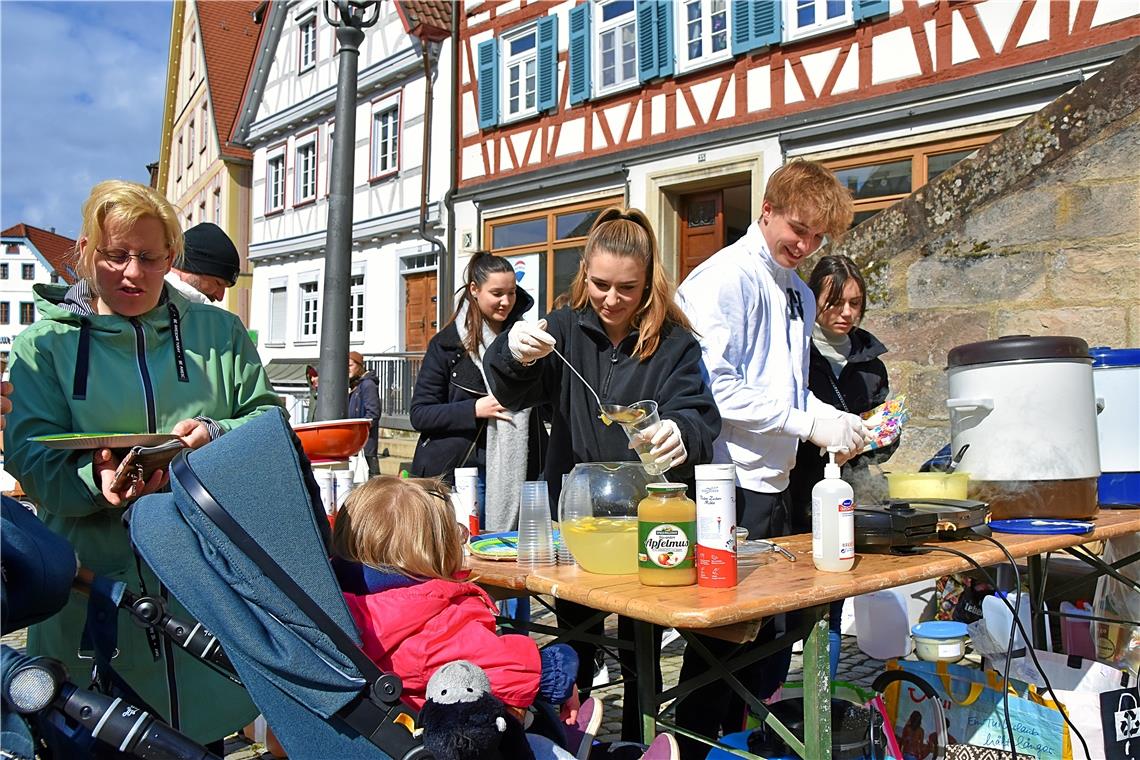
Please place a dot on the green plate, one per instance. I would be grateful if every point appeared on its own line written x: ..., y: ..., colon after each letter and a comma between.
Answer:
x: 89, y: 441
x: 501, y: 546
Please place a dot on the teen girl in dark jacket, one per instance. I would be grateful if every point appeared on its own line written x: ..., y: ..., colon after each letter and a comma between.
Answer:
x: 852, y: 377
x: 451, y: 407
x: 626, y: 336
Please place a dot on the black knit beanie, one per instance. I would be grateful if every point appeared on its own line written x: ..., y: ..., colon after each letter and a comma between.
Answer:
x: 210, y: 251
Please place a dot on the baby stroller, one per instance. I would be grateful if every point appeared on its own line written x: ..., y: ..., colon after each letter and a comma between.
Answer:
x: 256, y: 573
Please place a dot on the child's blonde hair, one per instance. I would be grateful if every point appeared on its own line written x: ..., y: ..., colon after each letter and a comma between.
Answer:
x: 404, y: 524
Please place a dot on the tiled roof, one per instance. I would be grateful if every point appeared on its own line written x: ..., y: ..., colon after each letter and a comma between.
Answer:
x: 229, y: 39
x: 57, y: 249
x: 429, y: 19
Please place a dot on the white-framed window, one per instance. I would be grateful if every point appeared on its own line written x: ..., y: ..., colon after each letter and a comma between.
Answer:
x: 307, y: 38
x: 275, y: 180
x: 190, y: 142
x: 520, y: 73
x: 310, y: 310
x: 385, y: 137
x: 305, y: 168
x: 278, y: 312
x: 703, y: 32
x: 805, y: 18
x: 192, y: 54
x: 178, y: 159
x: 28, y: 272
x: 615, y: 63
x: 216, y: 216
x: 356, y: 304
x: 328, y: 157
x: 204, y: 121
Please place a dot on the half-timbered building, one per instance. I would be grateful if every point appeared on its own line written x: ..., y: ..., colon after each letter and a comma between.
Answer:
x: 683, y: 108
x: 287, y: 120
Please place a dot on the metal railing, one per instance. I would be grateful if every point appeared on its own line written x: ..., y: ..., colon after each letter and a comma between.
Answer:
x: 396, y: 375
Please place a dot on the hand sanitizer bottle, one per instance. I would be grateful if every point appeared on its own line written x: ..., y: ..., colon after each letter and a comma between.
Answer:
x: 832, y: 521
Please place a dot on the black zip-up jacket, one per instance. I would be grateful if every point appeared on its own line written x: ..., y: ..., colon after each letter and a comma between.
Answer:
x: 672, y: 377
x: 443, y: 407
x: 861, y: 386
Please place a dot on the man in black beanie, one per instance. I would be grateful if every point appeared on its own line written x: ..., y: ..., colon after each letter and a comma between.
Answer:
x: 209, y: 265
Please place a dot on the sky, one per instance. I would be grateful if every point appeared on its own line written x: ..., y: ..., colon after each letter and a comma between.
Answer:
x: 81, y: 94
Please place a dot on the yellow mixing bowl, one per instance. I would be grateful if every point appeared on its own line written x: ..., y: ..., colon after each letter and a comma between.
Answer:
x: 927, y: 485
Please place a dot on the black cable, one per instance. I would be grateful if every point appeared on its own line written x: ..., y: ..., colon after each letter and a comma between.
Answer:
x: 1021, y: 628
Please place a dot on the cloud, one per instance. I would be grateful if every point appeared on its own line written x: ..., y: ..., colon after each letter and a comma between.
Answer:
x: 81, y: 96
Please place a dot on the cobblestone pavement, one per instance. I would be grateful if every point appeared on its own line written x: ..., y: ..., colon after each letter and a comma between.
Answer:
x: 854, y: 667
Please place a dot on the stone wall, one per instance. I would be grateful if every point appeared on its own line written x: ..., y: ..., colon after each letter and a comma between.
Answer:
x: 1037, y: 234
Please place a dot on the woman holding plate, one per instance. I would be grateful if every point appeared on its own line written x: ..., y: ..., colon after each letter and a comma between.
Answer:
x: 120, y: 351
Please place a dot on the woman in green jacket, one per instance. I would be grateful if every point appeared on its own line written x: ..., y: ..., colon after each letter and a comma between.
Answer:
x: 120, y: 352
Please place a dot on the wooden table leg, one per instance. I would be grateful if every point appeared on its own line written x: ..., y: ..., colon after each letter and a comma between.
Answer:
x: 817, y: 689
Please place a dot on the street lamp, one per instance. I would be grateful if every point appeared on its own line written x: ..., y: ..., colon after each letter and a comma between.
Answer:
x: 350, y: 18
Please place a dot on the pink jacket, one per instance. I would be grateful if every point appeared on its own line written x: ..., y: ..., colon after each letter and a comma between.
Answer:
x: 412, y: 631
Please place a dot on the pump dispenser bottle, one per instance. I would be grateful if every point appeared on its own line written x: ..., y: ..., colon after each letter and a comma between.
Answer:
x: 832, y: 521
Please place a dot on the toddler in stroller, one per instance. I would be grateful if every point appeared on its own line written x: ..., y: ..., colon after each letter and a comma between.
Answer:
x: 398, y: 554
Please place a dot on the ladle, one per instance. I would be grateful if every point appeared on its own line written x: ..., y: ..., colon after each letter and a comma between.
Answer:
x: 610, y: 411
x: 957, y: 459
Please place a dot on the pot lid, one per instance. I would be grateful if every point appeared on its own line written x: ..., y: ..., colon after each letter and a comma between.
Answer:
x: 1115, y: 357
x: 1010, y: 348
x: 940, y: 629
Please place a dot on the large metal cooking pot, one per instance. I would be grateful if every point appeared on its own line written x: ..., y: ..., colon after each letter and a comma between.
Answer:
x: 1027, y: 409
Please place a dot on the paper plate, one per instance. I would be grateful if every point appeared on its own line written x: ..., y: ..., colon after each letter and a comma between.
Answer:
x: 1041, y: 527
x: 88, y: 441
x: 500, y: 546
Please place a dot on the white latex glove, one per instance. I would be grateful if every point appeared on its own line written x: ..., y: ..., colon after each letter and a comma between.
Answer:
x: 529, y: 341
x: 668, y: 447
x: 847, y: 433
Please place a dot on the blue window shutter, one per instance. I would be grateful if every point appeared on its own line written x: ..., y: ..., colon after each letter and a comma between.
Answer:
x: 741, y: 26
x: 646, y: 40
x: 665, y: 39
x: 579, y: 54
x: 488, y: 65
x: 865, y: 9
x: 547, y: 63
x: 767, y: 23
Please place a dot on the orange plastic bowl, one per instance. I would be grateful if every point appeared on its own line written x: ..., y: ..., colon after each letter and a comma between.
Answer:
x: 333, y: 439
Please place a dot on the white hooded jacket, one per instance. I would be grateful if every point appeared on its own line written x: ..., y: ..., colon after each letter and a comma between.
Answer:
x: 753, y: 318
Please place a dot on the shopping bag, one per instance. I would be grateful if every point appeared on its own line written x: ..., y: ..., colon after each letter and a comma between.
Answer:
x: 1118, y: 643
x: 972, y: 702
x: 1078, y: 685
x: 1120, y: 720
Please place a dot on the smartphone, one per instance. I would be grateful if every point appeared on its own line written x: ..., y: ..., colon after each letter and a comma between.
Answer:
x: 143, y: 461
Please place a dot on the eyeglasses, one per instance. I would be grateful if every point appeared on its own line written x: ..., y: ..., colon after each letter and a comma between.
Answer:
x: 118, y: 258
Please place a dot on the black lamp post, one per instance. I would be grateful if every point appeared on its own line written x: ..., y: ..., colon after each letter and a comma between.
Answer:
x: 350, y: 17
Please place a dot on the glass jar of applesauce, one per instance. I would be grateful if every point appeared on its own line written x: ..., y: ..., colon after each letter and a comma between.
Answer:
x: 667, y: 536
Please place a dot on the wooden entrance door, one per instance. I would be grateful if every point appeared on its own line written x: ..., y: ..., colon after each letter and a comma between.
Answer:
x: 420, y: 320
x: 702, y: 228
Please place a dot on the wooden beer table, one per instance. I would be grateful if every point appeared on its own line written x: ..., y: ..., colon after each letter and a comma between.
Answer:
x: 778, y: 585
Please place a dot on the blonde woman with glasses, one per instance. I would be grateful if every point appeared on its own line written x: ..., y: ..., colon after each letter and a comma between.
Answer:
x: 121, y: 352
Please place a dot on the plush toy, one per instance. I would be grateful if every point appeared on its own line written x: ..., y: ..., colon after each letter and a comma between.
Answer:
x: 462, y: 720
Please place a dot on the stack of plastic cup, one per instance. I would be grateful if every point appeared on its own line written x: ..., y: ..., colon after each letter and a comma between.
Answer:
x: 536, y: 533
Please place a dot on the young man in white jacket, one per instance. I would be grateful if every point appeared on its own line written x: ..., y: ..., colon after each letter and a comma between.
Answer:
x: 754, y: 315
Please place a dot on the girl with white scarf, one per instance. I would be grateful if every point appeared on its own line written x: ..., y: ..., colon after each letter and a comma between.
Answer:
x: 460, y: 423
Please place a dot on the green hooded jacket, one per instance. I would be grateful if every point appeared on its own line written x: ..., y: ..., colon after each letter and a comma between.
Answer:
x: 76, y: 371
